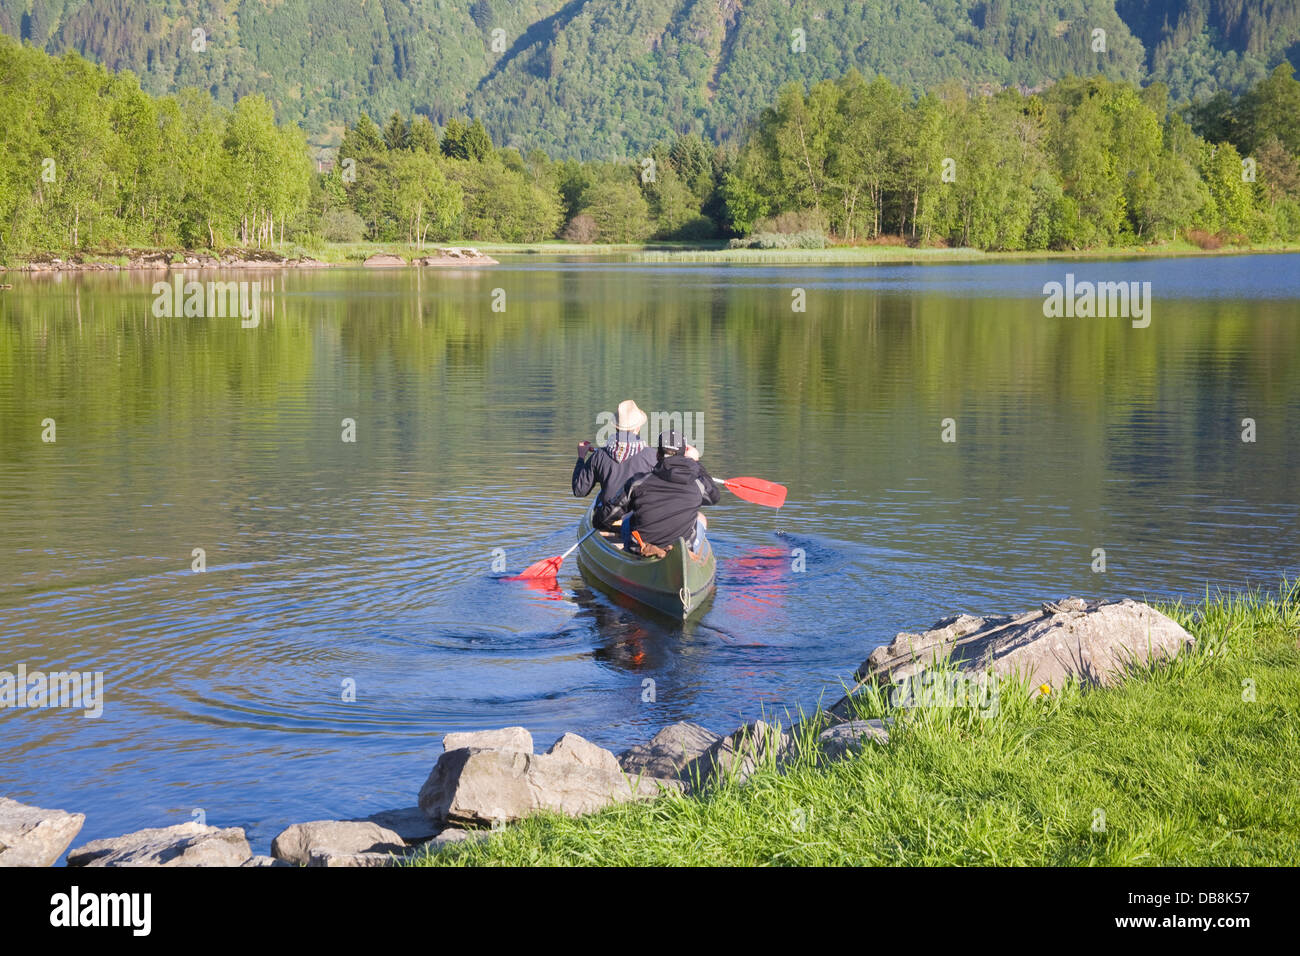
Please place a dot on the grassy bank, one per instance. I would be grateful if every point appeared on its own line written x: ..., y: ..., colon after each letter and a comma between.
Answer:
x: 1186, y: 768
x: 717, y: 251
x: 354, y: 253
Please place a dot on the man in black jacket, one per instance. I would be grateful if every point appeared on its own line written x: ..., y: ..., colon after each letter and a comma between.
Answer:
x: 623, y: 459
x: 665, y: 504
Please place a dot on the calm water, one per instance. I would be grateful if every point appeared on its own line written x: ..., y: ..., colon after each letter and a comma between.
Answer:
x: 371, y: 561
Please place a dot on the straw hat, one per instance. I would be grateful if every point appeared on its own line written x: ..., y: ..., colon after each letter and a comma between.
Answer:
x: 630, y: 417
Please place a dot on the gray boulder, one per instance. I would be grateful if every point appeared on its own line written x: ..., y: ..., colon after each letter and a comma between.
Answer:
x: 30, y: 836
x: 409, y: 823
x: 451, y: 836
x: 384, y: 260
x: 480, y: 787
x: 513, y: 739
x: 454, y: 835
x: 264, y: 861
x: 738, y: 754
x: 669, y: 751
x: 584, y: 752
x: 1093, y: 641
x: 850, y: 737
x: 300, y: 842
x: 326, y: 858
x: 186, y: 844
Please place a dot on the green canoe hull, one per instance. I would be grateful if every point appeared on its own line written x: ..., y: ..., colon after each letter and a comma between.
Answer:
x: 677, y: 584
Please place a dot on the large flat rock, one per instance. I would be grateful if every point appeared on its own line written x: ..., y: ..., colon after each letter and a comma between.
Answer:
x: 31, y: 836
x: 410, y: 823
x: 483, y: 787
x: 301, y: 842
x: 669, y: 751
x: 384, y: 260
x: 1094, y: 642
x: 186, y: 844
x: 515, y: 739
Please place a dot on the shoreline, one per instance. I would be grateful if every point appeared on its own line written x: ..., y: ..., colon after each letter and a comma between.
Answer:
x: 380, y: 255
x: 862, y: 769
x: 156, y: 260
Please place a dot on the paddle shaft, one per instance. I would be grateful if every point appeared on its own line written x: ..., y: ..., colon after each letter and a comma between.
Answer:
x: 578, y: 542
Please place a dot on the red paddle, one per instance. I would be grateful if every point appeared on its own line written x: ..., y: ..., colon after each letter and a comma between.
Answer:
x: 550, y: 567
x: 757, y: 490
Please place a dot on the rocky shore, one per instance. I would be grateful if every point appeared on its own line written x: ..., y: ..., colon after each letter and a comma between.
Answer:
x: 156, y: 260
x: 452, y: 256
x: 484, y: 781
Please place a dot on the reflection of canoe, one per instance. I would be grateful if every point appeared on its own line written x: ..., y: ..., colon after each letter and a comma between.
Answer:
x: 676, y: 584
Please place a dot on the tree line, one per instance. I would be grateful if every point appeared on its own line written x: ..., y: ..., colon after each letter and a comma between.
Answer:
x: 90, y: 163
x: 1088, y: 162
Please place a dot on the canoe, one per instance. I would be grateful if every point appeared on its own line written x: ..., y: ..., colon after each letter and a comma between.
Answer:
x: 676, y: 584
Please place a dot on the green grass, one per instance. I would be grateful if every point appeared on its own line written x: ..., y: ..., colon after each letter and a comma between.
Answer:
x: 717, y: 252
x: 868, y: 254
x: 353, y: 253
x: 1186, y: 771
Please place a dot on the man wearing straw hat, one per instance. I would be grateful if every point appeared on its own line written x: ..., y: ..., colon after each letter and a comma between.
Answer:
x: 624, y: 457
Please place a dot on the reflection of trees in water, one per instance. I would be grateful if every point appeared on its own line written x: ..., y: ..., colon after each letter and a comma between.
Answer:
x: 849, y: 394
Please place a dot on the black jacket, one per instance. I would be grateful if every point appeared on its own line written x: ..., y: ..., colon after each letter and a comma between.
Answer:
x: 599, y: 467
x: 665, y: 502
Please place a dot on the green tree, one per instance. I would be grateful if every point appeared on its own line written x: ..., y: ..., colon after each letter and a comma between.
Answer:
x: 397, y: 132
x: 619, y: 211
x: 424, y: 199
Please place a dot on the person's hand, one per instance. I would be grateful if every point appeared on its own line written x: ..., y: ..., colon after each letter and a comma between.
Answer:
x: 692, y: 452
x: 583, y: 448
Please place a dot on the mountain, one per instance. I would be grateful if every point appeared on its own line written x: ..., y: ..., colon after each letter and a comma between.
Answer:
x: 606, y: 78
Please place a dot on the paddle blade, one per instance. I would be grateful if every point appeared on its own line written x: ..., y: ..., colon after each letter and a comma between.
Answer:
x: 549, y: 568
x: 757, y: 490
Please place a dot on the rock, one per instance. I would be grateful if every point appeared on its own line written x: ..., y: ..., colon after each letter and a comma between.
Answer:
x: 186, y: 844
x: 1093, y: 641
x: 456, y: 257
x: 580, y: 750
x: 264, y: 861
x: 453, y: 835
x: 479, y: 787
x: 409, y: 823
x: 514, y: 739
x: 325, y: 858
x: 737, y: 755
x: 669, y: 751
x: 30, y: 836
x: 848, y: 738
x: 384, y: 260
x: 298, y: 843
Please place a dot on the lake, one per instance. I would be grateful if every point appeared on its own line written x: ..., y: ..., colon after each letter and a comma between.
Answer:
x: 352, y: 607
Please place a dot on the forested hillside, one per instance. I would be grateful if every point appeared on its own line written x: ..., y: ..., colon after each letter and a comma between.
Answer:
x: 90, y: 164
x: 608, y: 78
